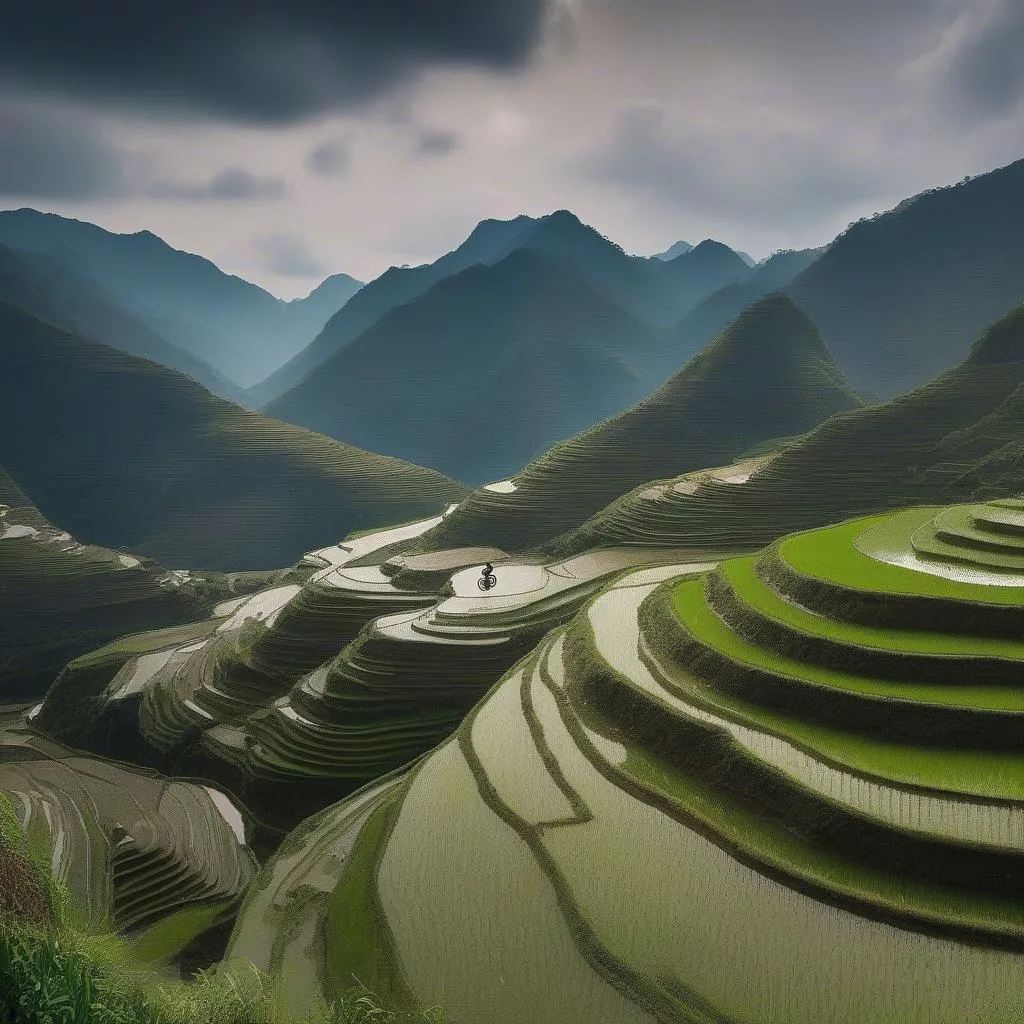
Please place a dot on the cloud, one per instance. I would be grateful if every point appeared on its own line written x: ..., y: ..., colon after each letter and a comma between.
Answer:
x: 977, y: 68
x: 288, y: 255
x: 256, y: 61
x: 233, y: 183
x: 50, y: 154
x: 762, y: 170
x: 436, y: 142
x: 330, y: 159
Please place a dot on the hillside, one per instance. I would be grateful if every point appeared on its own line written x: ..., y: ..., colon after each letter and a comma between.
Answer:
x: 60, y: 598
x: 121, y: 451
x: 769, y: 375
x: 901, y: 297
x: 236, y: 327
x: 54, y: 291
x: 485, y: 371
x: 956, y: 438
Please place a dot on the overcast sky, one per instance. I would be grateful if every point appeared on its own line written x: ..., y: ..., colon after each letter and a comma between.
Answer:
x: 290, y: 139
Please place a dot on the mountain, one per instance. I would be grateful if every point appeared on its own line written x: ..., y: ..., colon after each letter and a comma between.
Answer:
x: 960, y: 437
x: 899, y: 298
x: 673, y: 251
x: 655, y: 293
x: 122, y: 451
x: 700, y: 273
x: 308, y: 315
x: 768, y: 375
x: 484, y: 371
x: 56, y: 292
x: 236, y: 327
x: 713, y: 314
x: 393, y: 288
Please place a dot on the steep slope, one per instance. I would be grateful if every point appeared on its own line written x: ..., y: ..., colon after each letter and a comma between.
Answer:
x: 53, y: 291
x: 483, y: 372
x: 395, y: 287
x: 121, y: 451
x: 161, y: 860
x: 240, y: 329
x: 952, y: 439
x: 59, y: 598
x: 900, y: 298
x: 769, y: 375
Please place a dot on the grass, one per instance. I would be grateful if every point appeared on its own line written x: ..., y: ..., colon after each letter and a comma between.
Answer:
x: 53, y: 972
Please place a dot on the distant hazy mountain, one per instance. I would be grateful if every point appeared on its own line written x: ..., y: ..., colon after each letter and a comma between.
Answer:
x: 698, y: 274
x: 958, y: 438
x: 673, y: 251
x: 653, y: 292
x: 308, y: 315
x: 768, y: 375
x: 714, y: 313
x: 746, y: 257
x: 900, y: 298
x: 393, y: 288
x: 484, y: 371
x: 239, y: 329
x: 55, y: 292
x: 121, y: 451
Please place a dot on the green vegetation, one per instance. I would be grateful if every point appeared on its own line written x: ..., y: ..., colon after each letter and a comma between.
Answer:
x: 824, y: 736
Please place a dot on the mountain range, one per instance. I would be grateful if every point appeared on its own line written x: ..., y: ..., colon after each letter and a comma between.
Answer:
x: 654, y: 292
x: 485, y: 371
x: 238, y: 328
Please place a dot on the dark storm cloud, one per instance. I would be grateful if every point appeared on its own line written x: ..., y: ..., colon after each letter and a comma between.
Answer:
x: 233, y: 183
x: 761, y: 173
x: 254, y: 60
x: 47, y: 154
x: 288, y: 255
x: 985, y: 68
x: 436, y: 142
x: 331, y: 159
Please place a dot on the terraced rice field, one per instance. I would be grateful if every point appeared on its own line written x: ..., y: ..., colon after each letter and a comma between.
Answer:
x: 784, y: 788
x: 158, y: 859
x: 304, y: 692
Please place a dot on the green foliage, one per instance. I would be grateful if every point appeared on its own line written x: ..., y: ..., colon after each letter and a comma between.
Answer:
x: 72, y: 978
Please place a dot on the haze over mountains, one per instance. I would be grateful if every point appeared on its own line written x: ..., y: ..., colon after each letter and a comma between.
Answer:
x: 485, y: 371
x: 653, y: 291
x: 236, y: 327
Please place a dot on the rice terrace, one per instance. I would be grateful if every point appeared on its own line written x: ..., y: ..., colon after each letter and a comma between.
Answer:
x: 417, y: 607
